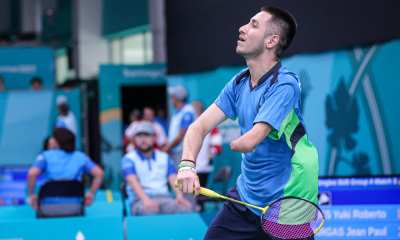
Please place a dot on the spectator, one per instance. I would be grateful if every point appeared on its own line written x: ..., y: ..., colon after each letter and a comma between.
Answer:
x: 63, y: 163
x: 2, y: 89
x: 161, y: 117
x: 180, y: 121
x: 36, y: 84
x: 147, y: 172
x: 127, y: 141
x: 134, y: 115
x: 161, y: 136
x: 66, y: 119
x: 212, y: 146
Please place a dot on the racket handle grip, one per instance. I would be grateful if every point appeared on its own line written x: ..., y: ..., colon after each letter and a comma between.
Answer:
x: 203, y: 191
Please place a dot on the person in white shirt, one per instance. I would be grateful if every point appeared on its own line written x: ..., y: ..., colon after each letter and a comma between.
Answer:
x: 212, y: 146
x: 161, y: 136
x: 148, y: 115
x: 66, y: 119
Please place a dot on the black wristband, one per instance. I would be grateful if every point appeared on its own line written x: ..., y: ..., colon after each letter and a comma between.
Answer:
x: 185, y: 160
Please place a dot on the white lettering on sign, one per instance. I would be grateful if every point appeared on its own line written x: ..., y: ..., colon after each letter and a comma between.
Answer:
x: 356, y: 232
x: 22, y: 69
x: 377, y: 232
x: 344, y: 214
x: 357, y: 182
x: 365, y: 214
x: 332, y: 232
x: 130, y: 73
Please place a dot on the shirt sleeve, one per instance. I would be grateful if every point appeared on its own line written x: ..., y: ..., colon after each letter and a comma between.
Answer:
x: 277, y: 106
x: 187, y: 119
x: 226, y: 100
x: 128, y: 167
x: 171, y: 167
x: 60, y: 124
x: 40, y: 163
x: 89, y: 165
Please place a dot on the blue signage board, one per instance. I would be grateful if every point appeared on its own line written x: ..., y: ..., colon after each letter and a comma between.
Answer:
x: 359, y: 231
x: 19, y: 65
x: 362, y: 213
x: 13, y: 184
x: 359, y: 190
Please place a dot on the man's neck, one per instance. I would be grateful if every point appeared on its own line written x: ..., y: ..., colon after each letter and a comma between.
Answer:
x: 148, y: 154
x: 179, y: 105
x: 259, y: 66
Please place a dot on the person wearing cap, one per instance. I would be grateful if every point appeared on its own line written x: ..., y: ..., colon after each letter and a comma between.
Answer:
x: 63, y: 163
x: 180, y: 122
x: 36, y: 84
x: 66, y: 119
x: 147, y: 172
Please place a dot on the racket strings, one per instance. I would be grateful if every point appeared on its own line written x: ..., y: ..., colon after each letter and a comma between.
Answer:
x: 292, y: 218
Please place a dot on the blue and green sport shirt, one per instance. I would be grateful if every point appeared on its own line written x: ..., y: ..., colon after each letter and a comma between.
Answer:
x: 285, y: 163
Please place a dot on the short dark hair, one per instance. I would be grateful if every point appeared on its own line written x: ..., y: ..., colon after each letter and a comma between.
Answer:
x: 284, y: 25
x: 36, y: 79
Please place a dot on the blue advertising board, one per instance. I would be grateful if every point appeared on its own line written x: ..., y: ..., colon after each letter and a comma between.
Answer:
x: 359, y: 231
x: 360, y: 190
x: 361, y: 213
x: 13, y: 184
x: 19, y: 65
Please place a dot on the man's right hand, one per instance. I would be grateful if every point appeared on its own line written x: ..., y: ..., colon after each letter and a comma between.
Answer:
x: 33, y: 199
x: 187, y: 180
x: 150, y: 205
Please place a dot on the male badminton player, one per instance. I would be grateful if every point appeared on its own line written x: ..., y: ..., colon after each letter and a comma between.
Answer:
x: 278, y: 159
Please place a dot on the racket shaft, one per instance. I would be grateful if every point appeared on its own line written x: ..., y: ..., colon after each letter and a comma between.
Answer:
x: 210, y: 193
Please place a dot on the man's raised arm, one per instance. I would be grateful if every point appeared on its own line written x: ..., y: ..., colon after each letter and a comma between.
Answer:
x: 192, y: 144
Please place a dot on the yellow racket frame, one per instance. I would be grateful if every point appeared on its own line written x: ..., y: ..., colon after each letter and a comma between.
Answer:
x: 211, y: 193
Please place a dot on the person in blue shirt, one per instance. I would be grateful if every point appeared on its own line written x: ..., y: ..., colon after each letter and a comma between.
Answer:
x: 180, y: 122
x: 277, y: 158
x: 63, y: 163
x: 147, y: 172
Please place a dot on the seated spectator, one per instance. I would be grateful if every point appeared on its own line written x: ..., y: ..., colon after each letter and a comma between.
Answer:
x: 147, y: 172
x: 65, y: 119
x: 2, y: 89
x: 63, y: 163
x: 36, y: 84
x: 127, y: 142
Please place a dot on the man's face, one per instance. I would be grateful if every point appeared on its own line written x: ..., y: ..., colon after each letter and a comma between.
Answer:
x: 144, y: 142
x: 148, y: 114
x: 175, y: 101
x: 252, y: 38
x: 36, y: 85
x: 52, y: 144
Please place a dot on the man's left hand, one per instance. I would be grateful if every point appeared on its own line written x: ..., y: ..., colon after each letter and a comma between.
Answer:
x: 182, y: 201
